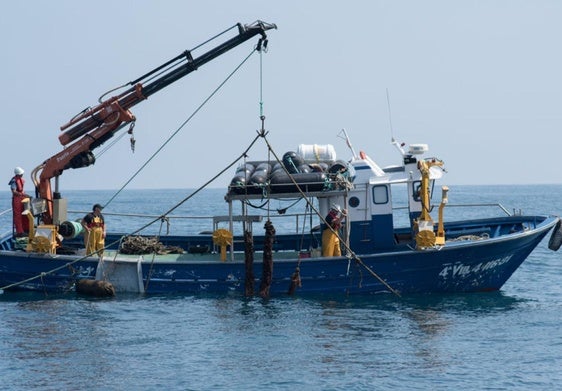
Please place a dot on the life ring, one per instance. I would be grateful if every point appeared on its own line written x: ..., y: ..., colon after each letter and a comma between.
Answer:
x: 556, y: 238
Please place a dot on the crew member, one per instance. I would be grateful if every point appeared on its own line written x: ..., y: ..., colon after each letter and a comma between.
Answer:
x: 94, y: 231
x: 330, y: 239
x: 21, y: 222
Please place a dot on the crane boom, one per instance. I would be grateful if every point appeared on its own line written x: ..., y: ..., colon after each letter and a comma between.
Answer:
x: 179, y: 67
x: 92, y: 127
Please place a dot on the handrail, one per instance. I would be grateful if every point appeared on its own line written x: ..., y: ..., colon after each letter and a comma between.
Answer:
x: 496, y: 204
x: 299, y: 217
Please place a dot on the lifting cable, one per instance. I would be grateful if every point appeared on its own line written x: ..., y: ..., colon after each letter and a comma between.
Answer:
x: 267, y: 266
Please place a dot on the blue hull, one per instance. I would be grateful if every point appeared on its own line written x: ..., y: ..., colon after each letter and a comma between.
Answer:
x: 463, y: 266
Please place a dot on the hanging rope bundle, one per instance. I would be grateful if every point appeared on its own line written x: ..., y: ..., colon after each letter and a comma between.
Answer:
x: 249, y: 263
x: 295, y: 280
x: 267, y: 273
x: 296, y: 276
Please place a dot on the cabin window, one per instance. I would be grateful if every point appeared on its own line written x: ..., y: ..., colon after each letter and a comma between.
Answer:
x: 416, y: 187
x: 354, y: 202
x: 380, y: 194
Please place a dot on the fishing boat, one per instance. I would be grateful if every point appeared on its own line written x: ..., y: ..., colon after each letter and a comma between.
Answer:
x: 378, y: 247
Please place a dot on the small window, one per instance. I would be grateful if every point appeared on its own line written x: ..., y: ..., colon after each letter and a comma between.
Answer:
x: 354, y: 202
x: 416, y: 187
x: 380, y: 194
x: 416, y: 190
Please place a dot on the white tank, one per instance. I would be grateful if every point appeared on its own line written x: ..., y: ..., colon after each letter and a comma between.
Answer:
x: 314, y: 153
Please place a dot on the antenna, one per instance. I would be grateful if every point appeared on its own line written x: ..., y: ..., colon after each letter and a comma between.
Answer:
x: 392, y: 139
x: 347, y: 141
x: 389, y: 115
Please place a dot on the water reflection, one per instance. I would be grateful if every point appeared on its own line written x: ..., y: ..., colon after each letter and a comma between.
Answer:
x: 54, y: 335
x: 321, y: 339
x: 378, y: 330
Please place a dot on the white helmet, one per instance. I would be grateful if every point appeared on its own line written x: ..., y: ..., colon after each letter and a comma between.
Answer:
x: 336, y: 207
x: 18, y: 171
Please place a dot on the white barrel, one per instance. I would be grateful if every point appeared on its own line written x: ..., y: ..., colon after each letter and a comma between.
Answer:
x: 314, y: 153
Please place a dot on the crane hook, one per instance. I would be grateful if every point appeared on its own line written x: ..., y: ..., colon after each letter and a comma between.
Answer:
x: 133, y: 141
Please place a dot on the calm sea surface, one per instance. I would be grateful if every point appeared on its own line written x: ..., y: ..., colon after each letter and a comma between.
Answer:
x: 507, y: 340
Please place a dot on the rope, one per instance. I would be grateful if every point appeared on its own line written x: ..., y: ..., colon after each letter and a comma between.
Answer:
x: 261, y: 85
x: 110, y: 145
x: 180, y: 127
x: 149, y: 274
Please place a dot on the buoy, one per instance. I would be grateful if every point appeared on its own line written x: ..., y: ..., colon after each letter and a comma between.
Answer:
x: 338, y: 167
x: 292, y: 161
x: 95, y: 288
x: 556, y: 238
x: 241, y: 178
x: 260, y: 175
x: 281, y: 182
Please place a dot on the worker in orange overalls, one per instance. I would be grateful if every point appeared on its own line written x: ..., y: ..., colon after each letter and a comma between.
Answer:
x: 21, y: 222
x: 94, y: 231
x: 330, y: 240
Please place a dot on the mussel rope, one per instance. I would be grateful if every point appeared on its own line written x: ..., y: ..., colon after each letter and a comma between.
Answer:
x: 296, y: 276
x: 350, y: 251
x: 249, y: 263
x: 267, y: 270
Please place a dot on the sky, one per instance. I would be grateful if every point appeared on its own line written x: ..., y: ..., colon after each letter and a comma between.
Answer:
x: 478, y: 81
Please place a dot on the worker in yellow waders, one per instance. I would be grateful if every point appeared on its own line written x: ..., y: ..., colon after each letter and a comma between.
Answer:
x: 330, y: 239
x: 94, y: 231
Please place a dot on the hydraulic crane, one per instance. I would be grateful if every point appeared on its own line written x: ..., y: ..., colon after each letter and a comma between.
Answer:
x: 425, y: 235
x: 94, y: 126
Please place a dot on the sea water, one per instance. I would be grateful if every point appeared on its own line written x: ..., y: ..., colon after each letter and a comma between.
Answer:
x: 506, y: 340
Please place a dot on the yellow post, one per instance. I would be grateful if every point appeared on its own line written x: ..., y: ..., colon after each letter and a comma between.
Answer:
x: 222, y: 238
x: 440, y: 239
x: 425, y: 236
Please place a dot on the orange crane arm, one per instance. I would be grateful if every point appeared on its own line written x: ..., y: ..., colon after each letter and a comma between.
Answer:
x: 94, y: 126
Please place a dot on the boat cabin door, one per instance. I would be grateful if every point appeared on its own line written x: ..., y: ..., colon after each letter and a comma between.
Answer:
x: 382, y: 223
